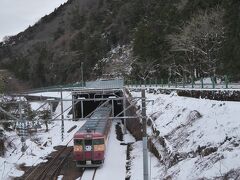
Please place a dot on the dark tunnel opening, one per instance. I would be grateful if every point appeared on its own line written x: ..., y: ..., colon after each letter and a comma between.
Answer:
x: 90, y: 106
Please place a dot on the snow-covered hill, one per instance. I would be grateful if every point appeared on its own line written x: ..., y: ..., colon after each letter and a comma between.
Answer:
x: 199, y: 138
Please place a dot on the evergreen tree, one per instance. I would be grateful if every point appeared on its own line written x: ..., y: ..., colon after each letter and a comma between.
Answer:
x: 231, y: 49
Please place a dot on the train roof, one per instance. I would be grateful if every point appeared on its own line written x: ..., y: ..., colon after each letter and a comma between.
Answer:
x: 97, y: 121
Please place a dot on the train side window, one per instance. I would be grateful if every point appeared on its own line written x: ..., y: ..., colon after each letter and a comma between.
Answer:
x: 78, y: 142
x: 98, y: 141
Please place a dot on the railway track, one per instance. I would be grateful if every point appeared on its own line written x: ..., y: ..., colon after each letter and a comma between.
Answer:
x: 50, y: 169
x: 89, y: 174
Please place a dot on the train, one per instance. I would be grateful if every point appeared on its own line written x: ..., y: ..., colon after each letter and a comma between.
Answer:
x: 90, y: 141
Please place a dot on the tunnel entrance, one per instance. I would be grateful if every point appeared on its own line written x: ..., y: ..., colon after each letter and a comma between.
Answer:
x: 87, y: 101
x: 90, y: 103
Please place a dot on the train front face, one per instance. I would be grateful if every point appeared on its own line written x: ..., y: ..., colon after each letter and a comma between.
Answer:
x: 89, y: 150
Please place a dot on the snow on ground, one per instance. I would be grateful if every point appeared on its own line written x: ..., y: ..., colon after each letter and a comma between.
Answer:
x: 67, y: 103
x: 201, y: 136
x: 57, y: 94
x: 39, y: 106
x: 88, y: 174
x: 115, y: 159
x: 137, y: 163
x: 201, y: 141
x: 39, y: 145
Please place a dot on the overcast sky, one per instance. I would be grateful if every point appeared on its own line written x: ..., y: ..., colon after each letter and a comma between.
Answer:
x: 17, y: 15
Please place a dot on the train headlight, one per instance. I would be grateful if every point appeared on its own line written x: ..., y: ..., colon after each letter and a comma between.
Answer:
x: 99, y: 147
x: 77, y: 148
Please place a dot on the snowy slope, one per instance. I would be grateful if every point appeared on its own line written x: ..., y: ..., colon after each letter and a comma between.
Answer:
x: 201, y: 137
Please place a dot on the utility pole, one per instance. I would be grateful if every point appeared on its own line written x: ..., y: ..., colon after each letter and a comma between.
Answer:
x: 73, y: 108
x: 144, y: 125
x: 82, y: 72
x: 62, y: 128
x: 82, y: 109
x: 124, y: 110
x: 22, y: 129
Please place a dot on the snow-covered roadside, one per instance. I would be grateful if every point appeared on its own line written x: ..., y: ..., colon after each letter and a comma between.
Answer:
x: 201, y: 136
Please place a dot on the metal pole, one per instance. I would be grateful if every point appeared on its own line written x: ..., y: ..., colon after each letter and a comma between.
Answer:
x: 51, y: 109
x: 124, y: 110
x: 213, y: 82
x: 73, y: 107
x: 62, y: 116
x: 112, y: 108
x: 202, y: 86
x: 20, y: 109
x: 192, y: 82
x: 81, y: 108
x: 183, y: 81
x: 82, y: 72
x: 226, y: 81
x: 144, y: 124
x: 22, y: 128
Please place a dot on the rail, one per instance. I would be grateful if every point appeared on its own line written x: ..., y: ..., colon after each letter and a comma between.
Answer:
x: 89, y: 174
x: 50, y: 169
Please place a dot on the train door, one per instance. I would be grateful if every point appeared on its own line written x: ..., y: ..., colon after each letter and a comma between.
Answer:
x: 88, y: 148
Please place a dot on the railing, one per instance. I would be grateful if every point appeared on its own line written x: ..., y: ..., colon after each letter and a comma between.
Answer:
x: 118, y: 83
x: 187, y: 86
x: 182, y: 85
x: 98, y: 84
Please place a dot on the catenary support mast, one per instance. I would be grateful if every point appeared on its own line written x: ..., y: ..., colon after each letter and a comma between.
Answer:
x: 145, y: 150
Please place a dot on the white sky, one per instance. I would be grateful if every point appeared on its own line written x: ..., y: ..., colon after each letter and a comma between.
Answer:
x: 17, y: 15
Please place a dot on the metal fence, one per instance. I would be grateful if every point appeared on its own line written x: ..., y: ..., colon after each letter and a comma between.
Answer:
x: 200, y: 84
x: 98, y: 84
x: 160, y: 83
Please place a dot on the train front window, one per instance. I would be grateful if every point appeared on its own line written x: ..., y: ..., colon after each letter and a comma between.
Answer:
x: 78, y: 142
x: 88, y: 142
x: 98, y: 141
x: 88, y: 145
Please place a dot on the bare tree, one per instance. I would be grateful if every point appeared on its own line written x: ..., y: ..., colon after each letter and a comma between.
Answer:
x: 199, y: 42
x: 144, y: 68
x: 117, y: 63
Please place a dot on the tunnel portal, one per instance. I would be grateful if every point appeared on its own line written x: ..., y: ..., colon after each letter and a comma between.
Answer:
x: 86, y: 101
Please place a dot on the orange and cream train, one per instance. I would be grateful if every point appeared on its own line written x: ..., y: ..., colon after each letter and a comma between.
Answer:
x: 91, y: 139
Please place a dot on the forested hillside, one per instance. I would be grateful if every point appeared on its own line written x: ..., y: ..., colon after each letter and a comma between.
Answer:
x: 136, y: 39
